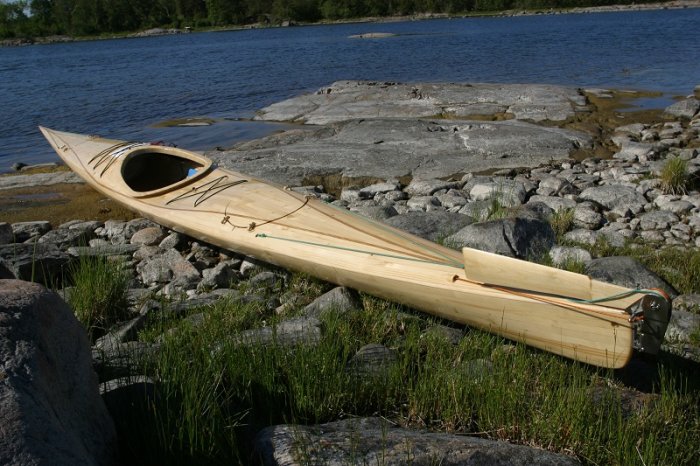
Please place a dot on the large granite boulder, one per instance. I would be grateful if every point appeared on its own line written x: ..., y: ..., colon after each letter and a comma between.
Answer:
x: 433, y: 226
x: 394, y: 148
x: 524, y: 237
x: 50, y: 407
x: 626, y: 271
x: 375, y: 441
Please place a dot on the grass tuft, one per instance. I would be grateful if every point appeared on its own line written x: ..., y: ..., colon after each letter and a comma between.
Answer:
x: 561, y: 221
x: 99, y: 295
x: 674, y: 176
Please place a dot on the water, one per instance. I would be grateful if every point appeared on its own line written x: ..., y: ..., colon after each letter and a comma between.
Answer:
x: 122, y: 88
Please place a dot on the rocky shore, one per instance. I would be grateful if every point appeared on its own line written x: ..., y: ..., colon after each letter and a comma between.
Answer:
x: 499, y: 168
x: 672, y: 4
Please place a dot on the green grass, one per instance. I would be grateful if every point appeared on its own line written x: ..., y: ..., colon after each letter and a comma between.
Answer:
x: 214, y: 394
x: 674, y: 176
x: 99, y: 295
x: 562, y: 221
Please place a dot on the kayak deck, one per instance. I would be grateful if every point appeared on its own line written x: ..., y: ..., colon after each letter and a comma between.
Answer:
x: 533, y: 304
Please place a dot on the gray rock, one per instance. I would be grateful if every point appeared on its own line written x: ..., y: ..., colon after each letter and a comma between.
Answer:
x: 133, y: 394
x: 6, y: 234
x: 38, y: 179
x: 149, y: 236
x: 562, y: 254
x: 83, y: 225
x: 5, y: 272
x: 586, y: 217
x: 686, y: 108
x: 553, y: 186
x: 132, y: 226
x: 409, y: 147
x: 521, y: 237
x: 250, y: 267
x: 127, y: 331
x: 66, y: 237
x: 652, y: 236
x: 346, y: 100
x: 113, y: 229
x: 122, y: 360
x: 678, y: 207
x: 368, y: 192
x: 340, y: 300
x: 508, y: 193
x: 290, y: 333
x: 265, y: 279
x: 377, y: 212
x: 452, y: 199
x: 432, y: 226
x: 478, y: 211
x: 627, y: 272
x: 657, y: 220
x: 616, y: 198
x: 581, y: 236
x: 174, y: 240
x: 372, y: 360
x: 422, y: 187
x: 554, y: 203
x: 614, y: 237
x: 632, y: 151
x: 443, y: 332
x: 682, y: 325
x: 475, y: 371
x: 688, y: 302
x: 350, y: 195
x: 165, y: 267
x: 50, y: 407
x: 23, y: 231
x: 376, y: 441
x: 103, y: 250
x: 42, y: 263
x: 220, y: 276
x: 424, y: 203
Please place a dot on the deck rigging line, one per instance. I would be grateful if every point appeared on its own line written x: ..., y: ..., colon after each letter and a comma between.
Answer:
x: 361, y: 251
x: 214, y: 187
x: 253, y: 225
x: 426, y: 249
x: 112, y: 154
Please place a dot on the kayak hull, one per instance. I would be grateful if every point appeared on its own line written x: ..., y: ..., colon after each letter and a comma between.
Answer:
x: 185, y: 192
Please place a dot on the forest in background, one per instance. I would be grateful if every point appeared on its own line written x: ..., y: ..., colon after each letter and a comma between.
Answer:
x: 37, y: 18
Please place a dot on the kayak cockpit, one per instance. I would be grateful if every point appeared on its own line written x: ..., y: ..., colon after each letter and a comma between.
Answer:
x: 153, y: 169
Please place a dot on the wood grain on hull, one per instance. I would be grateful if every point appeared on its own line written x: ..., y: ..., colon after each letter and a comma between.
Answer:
x: 260, y: 219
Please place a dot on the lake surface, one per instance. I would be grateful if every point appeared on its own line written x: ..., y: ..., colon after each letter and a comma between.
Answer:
x: 123, y: 88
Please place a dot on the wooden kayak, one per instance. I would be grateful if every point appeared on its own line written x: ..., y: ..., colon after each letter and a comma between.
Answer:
x: 562, y: 312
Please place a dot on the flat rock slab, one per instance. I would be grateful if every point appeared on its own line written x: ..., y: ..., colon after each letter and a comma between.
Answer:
x: 393, y: 148
x: 38, y: 179
x: 347, y: 100
x: 374, y: 441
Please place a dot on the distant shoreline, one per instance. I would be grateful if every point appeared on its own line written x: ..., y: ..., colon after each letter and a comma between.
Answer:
x: 672, y: 5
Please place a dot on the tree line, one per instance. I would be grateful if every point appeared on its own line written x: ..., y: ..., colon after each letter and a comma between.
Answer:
x: 34, y: 18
